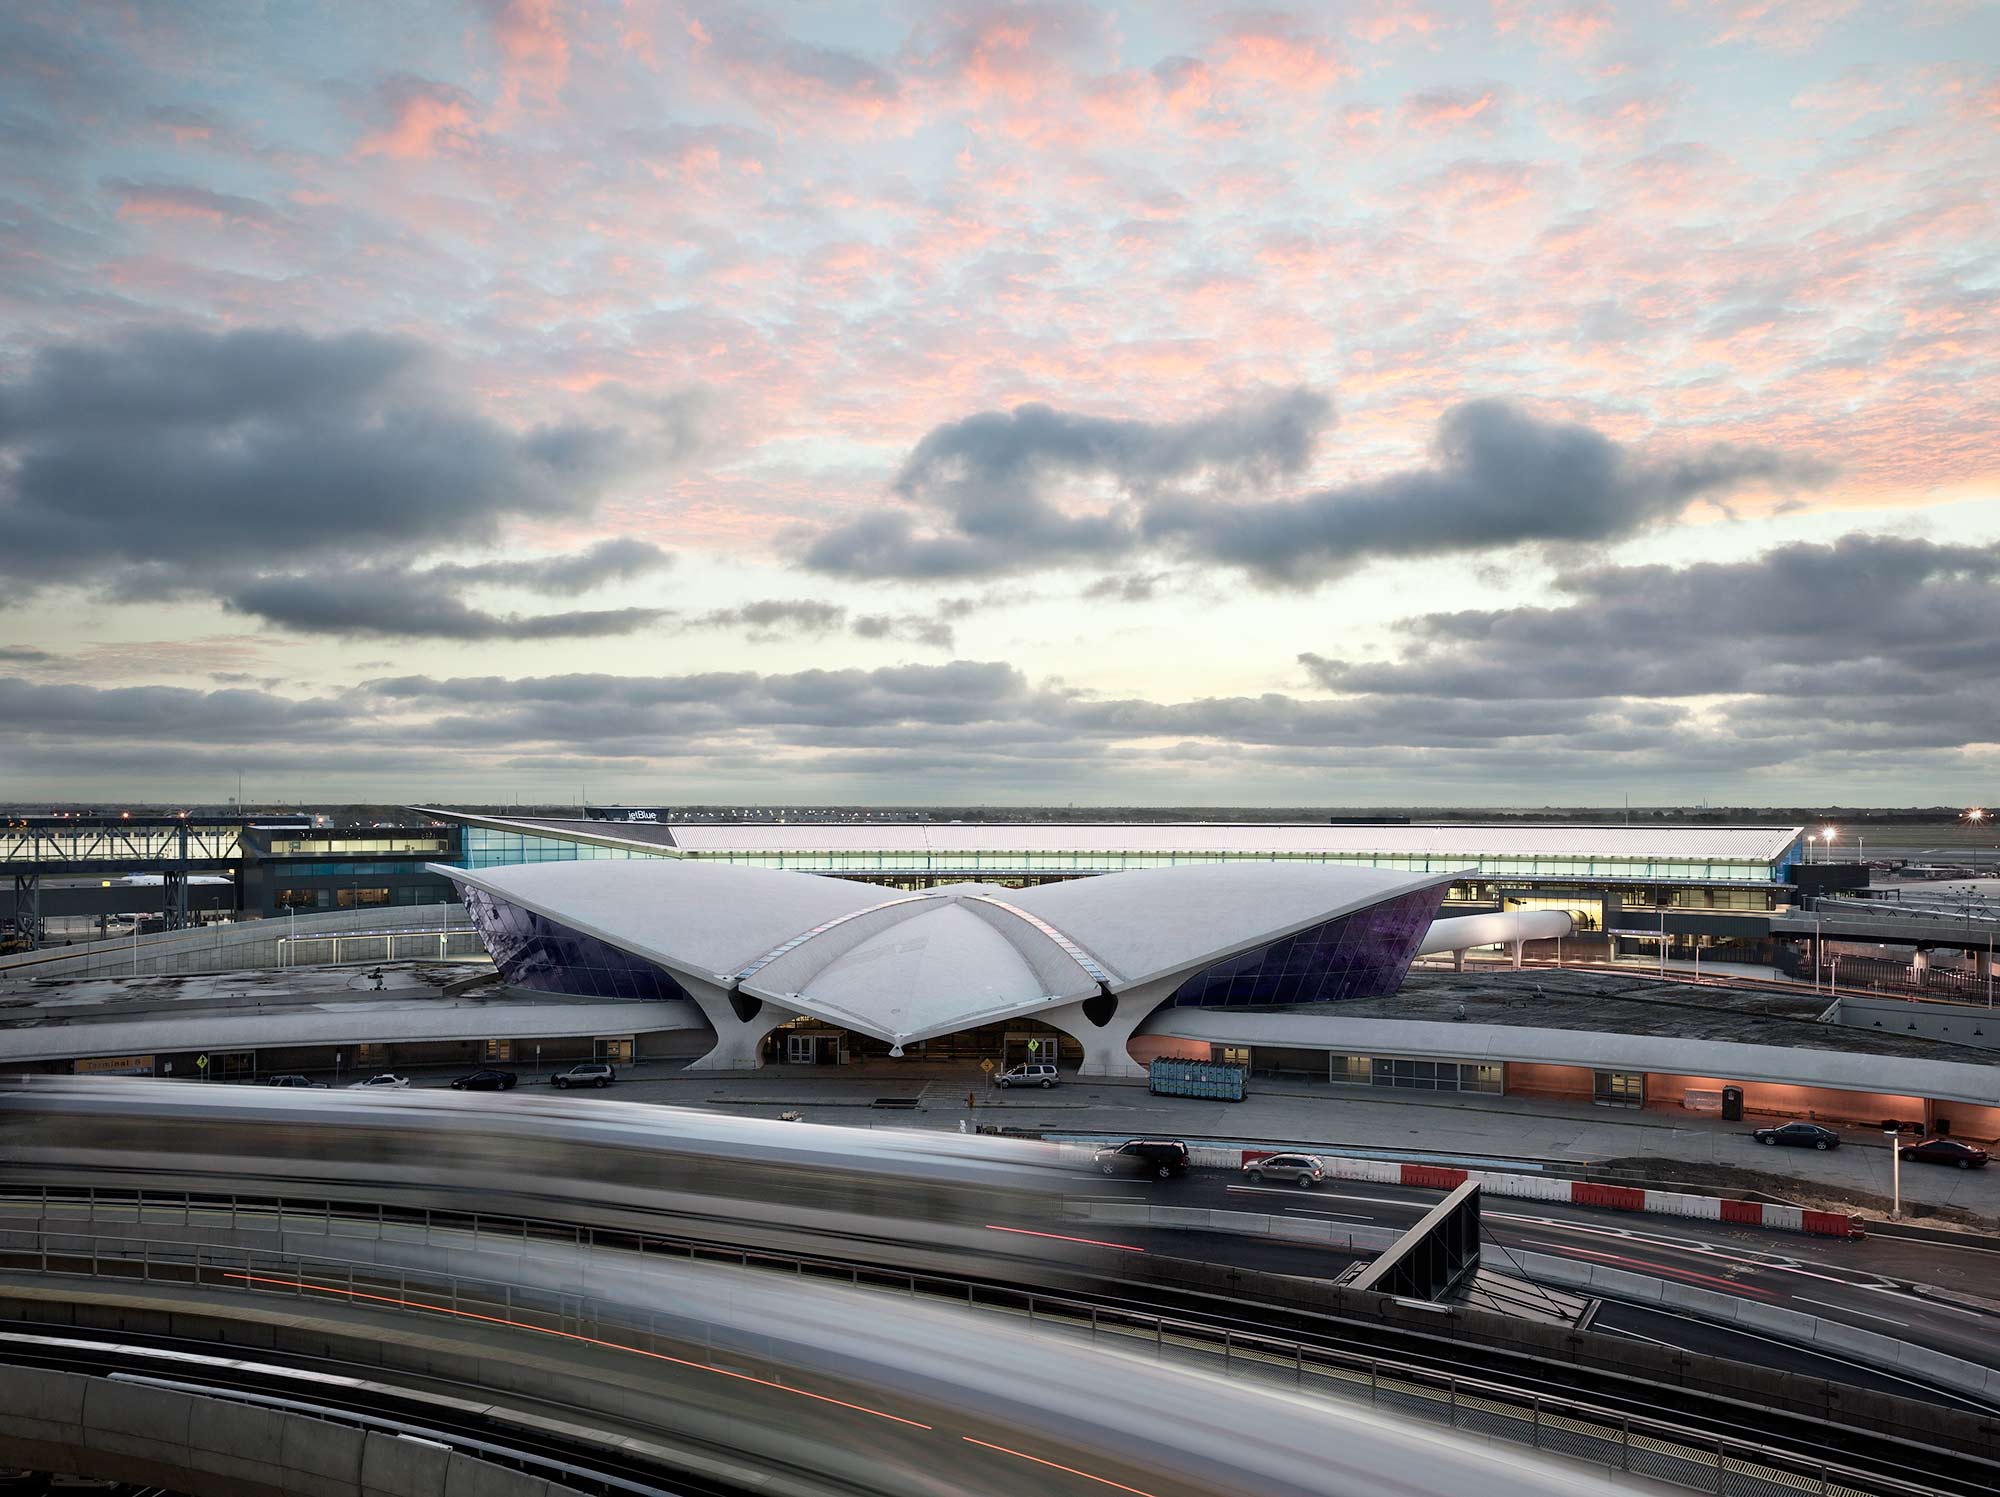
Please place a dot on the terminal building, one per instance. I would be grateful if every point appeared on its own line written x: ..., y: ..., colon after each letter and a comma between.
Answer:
x: 1697, y: 888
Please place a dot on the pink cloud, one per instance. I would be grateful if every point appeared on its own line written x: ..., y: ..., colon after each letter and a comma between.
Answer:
x: 1447, y: 109
x: 1573, y: 29
x: 1275, y: 50
x: 1783, y: 25
x: 534, y: 49
x: 425, y: 118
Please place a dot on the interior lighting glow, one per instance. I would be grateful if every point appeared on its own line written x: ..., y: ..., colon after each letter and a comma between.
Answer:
x: 522, y: 1325
x: 1116, y: 1486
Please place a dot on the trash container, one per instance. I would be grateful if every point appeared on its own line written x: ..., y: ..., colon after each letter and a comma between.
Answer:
x: 1732, y: 1104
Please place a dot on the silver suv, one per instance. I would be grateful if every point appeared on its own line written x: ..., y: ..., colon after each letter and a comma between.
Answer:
x: 1034, y: 1073
x: 586, y: 1073
x: 1303, y: 1170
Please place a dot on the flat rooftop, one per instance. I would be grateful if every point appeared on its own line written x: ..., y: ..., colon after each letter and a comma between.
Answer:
x: 1609, y: 1002
x: 69, y: 1018
x: 1464, y: 842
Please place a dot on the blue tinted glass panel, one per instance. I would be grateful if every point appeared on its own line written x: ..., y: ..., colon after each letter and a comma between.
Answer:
x: 533, y: 951
x: 1362, y: 955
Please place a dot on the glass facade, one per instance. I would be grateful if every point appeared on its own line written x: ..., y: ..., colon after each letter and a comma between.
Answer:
x: 1003, y: 863
x: 1360, y: 955
x: 533, y: 951
x: 486, y: 847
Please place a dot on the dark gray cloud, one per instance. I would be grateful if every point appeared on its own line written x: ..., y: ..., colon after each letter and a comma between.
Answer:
x: 769, y: 619
x: 1498, y: 477
x: 391, y: 603
x: 616, y: 560
x: 403, y: 602
x: 994, y: 481
x: 1130, y: 587
x: 773, y: 618
x: 182, y: 454
x: 1869, y: 640
x: 1930, y: 611
x: 23, y: 655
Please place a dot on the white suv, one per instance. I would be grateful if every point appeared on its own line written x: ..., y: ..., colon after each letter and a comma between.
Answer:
x: 1034, y: 1073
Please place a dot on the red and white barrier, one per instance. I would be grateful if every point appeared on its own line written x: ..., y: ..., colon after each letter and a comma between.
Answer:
x: 1575, y: 1192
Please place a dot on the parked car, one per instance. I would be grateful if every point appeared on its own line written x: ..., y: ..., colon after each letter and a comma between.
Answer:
x: 1945, y: 1151
x: 1303, y: 1170
x: 1162, y: 1158
x: 1034, y: 1073
x: 586, y: 1073
x: 293, y: 1081
x: 486, y: 1081
x: 384, y: 1081
x: 1799, y: 1136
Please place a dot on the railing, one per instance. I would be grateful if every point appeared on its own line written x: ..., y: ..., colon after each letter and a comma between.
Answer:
x: 1659, y: 1449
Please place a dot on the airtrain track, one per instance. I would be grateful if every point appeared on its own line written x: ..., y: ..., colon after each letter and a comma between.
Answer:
x: 1692, y: 1438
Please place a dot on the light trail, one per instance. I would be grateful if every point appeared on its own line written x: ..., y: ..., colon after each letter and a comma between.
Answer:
x: 522, y: 1325
x: 1118, y: 1486
x: 1122, y: 1247
x: 1731, y: 1286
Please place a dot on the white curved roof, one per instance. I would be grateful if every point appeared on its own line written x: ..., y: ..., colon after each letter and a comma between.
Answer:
x: 703, y: 918
x: 1156, y: 920
x: 904, y: 967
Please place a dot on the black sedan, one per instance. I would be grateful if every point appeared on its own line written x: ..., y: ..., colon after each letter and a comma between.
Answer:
x: 1799, y: 1136
x: 1945, y: 1151
x: 486, y: 1081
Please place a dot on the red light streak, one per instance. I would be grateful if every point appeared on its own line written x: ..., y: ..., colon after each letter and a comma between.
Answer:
x: 1734, y: 1286
x: 1070, y: 1470
x: 637, y: 1351
x: 1058, y: 1237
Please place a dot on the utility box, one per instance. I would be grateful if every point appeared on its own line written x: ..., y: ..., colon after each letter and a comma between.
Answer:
x: 1195, y: 1078
x: 1732, y: 1104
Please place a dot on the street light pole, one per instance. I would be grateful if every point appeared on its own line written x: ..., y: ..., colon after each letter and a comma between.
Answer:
x: 1895, y: 1138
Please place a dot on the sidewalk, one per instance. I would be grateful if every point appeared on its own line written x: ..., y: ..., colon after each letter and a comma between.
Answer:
x: 1504, y: 1129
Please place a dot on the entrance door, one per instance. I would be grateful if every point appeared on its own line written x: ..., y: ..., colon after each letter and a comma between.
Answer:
x: 1619, y: 1088
x: 801, y: 1049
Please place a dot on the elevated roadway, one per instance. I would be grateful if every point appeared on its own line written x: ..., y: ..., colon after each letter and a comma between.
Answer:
x: 787, y: 1383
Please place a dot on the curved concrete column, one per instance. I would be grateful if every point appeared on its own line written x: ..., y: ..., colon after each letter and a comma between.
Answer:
x: 739, y: 1042
x: 1105, y: 1046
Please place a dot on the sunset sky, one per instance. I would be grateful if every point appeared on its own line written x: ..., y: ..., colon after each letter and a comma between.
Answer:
x: 1472, y: 401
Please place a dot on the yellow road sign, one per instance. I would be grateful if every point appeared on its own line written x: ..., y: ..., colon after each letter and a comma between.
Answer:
x: 986, y: 1065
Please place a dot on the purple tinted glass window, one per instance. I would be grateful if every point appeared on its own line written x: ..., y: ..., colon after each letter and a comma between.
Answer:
x: 535, y: 952
x: 1361, y: 955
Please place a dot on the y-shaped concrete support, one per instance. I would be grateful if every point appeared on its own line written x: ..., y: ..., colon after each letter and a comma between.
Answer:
x: 740, y: 1024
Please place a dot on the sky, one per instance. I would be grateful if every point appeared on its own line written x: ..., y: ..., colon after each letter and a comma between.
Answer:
x: 1381, y: 403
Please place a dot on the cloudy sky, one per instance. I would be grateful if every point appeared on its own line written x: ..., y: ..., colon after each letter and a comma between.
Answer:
x: 1396, y: 401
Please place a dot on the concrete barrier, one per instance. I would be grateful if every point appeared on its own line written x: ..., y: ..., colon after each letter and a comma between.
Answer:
x: 1837, y: 1338
x: 77, y: 1425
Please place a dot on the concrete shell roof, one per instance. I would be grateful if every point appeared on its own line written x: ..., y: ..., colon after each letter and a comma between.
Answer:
x: 702, y: 918
x: 1153, y: 921
x: 942, y: 968
x: 904, y: 967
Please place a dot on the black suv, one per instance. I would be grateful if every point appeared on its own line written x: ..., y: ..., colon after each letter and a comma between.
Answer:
x: 1162, y: 1158
x: 1799, y: 1136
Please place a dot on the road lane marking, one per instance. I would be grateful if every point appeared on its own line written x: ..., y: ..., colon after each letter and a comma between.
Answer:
x: 1847, y: 1310
x: 1344, y: 1215
x: 1730, y: 1286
